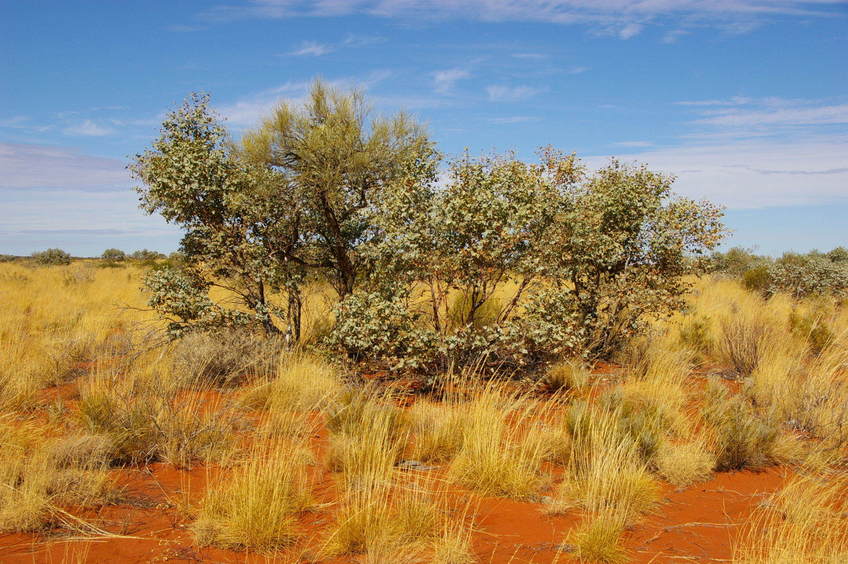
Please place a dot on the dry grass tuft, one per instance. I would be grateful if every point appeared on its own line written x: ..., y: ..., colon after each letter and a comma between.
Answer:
x: 803, y: 523
x: 256, y: 506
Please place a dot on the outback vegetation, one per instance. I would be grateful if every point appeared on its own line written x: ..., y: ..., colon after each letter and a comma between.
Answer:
x: 364, y: 352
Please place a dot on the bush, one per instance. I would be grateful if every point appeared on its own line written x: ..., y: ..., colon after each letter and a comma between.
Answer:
x: 52, y: 257
x: 113, y: 257
x: 758, y: 278
x: 223, y: 357
x: 146, y: 256
x: 803, y: 276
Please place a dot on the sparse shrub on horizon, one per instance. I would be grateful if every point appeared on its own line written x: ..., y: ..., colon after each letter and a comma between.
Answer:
x: 113, y: 257
x: 147, y: 257
x: 52, y: 257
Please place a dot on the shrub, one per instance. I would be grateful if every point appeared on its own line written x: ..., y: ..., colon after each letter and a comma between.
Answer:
x: 758, y: 278
x: 52, y: 257
x: 696, y: 334
x: 683, y: 464
x: 146, y: 256
x: 520, y: 263
x: 225, y: 357
x: 38, y: 473
x: 113, y: 257
x: 147, y: 420
x: 742, y: 340
x: 802, y: 276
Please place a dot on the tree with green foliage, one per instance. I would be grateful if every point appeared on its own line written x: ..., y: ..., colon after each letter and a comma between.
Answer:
x: 586, y: 258
x: 297, y: 197
x: 237, y: 221
x: 147, y: 256
x: 333, y: 166
x: 420, y: 266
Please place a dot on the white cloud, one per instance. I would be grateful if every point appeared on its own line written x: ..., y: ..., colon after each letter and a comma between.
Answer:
x: 577, y: 70
x: 312, y: 48
x: 445, y: 80
x: 88, y: 128
x: 623, y: 18
x: 41, y: 166
x: 776, y: 116
x: 512, y: 119
x: 755, y: 174
x: 629, y: 30
x: 634, y: 144
x: 249, y: 110
x: 733, y: 101
x: 501, y: 93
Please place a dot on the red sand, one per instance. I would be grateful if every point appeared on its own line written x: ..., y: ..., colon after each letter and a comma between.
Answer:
x: 696, y: 524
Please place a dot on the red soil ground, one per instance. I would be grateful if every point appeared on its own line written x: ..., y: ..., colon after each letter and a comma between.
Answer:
x: 697, y: 524
x: 150, y: 523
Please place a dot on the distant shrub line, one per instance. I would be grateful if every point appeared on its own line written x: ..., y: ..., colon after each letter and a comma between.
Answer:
x: 800, y: 275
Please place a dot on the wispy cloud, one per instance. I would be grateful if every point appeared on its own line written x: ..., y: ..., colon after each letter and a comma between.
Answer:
x: 742, y: 117
x: 445, y: 80
x: 755, y: 173
x: 621, y: 18
x: 248, y: 110
x: 312, y: 48
x: 47, y: 167
x: 781, y: 116
x: 633, y: 144
x: 512, y: 119
x: 501, y: 93
x: 88, y: 128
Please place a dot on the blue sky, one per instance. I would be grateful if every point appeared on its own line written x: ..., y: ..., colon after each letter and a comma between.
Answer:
x: 745, y: 101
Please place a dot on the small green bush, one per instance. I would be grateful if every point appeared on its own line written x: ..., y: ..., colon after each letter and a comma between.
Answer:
x: 758, y: 278
x: 52, y: 257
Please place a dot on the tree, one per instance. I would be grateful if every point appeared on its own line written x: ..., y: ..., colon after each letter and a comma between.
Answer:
x: 334, y: 166
x: 296, y: 198
x: 581, y: 259
x: 239, y: 223
x: 512, y: 261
